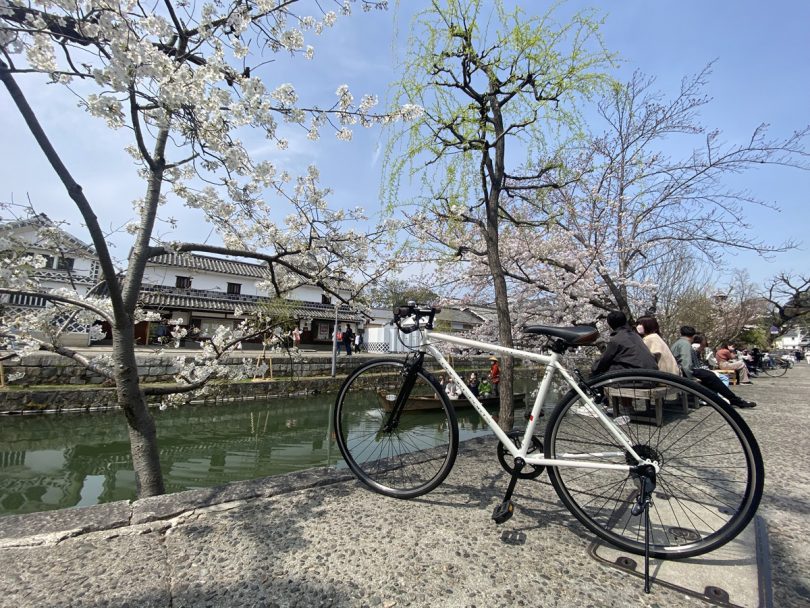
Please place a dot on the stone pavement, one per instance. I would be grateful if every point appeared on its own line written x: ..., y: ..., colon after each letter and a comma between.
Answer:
x: 317, y: 538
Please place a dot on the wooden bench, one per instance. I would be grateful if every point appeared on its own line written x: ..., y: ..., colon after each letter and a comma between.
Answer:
x: 652, y: 397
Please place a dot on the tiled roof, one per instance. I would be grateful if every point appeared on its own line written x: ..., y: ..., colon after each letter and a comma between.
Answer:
x: 212, y: 301
x: 458, y: 315
x: 484, y: 313
x: 205, y: 263
x: 43, y: 221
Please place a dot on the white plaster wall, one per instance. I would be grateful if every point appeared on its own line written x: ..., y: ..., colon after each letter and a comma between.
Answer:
x: 311, y: 293
x: 167, y: 276
x: 306, y: 293
x: 82, y: 265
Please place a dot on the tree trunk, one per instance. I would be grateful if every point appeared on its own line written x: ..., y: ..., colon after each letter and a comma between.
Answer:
x: 506, y: 418
x: 495, y: 168
x: 142, y: 432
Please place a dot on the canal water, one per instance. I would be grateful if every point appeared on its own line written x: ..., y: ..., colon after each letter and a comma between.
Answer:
x: 58, y: 461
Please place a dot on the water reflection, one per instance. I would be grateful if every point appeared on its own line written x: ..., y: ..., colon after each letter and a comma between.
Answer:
x: 53, y: 462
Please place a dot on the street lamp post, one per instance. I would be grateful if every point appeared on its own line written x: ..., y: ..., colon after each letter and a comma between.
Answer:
x: 334, y: 343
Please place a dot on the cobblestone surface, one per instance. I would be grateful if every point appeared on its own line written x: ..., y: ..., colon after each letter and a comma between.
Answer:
x: 319, y: 539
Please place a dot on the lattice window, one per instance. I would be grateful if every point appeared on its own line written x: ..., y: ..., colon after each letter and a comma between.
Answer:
x: 18, y: 299
x: 73, y: 326
x: 377, y: 347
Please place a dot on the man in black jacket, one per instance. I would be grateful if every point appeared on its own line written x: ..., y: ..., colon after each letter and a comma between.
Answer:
x: 625, y: 349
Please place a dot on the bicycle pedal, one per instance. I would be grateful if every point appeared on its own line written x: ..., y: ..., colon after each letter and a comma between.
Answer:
x: 503, y: 512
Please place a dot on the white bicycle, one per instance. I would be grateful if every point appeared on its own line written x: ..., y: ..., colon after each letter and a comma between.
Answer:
x: 650, y: 462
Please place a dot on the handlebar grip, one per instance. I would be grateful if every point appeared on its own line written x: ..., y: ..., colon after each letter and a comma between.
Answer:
x: 402, y: 311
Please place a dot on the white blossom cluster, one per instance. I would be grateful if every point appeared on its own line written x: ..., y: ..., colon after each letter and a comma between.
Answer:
x: 187, y: 82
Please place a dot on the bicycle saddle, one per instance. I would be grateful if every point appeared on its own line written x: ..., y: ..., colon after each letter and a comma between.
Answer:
x: 575, y: 336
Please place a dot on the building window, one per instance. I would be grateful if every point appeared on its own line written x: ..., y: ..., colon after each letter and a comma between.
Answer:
x: 65, y: 264
x: 234, y: 289
x: 325, y: 299
x: 183, y: 282
x: 48, y: 261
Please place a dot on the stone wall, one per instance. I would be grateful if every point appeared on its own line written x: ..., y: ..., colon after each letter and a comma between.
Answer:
x: 85, y: 399
x: 45, y: 368
x: 51, y: 383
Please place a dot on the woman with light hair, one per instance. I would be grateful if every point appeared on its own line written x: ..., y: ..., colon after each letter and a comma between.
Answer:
x: 650, y: 332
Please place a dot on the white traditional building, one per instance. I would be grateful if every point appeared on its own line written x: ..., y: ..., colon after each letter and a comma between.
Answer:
x: 796, y: 338
x: 69, y: 263
x: 382, y: 335
x: 201, y: 293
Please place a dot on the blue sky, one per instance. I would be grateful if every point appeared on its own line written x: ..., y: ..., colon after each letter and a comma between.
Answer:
x: 761, y: 74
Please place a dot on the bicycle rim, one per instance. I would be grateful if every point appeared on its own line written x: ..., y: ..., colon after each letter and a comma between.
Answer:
x: 776, y: 370
x: 410, y: 459
x: 710, y: 479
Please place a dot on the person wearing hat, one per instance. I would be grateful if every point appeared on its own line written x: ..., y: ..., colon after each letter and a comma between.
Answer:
x: 494, y: 375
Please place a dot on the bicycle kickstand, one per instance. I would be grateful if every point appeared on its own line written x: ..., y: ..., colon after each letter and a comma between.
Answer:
x: 506, y: 509
x: 646, y: 475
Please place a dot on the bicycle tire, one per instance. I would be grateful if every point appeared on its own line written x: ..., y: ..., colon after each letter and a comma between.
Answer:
x: 711, y: 477
x: 416, y: 456
x: 779, y: 368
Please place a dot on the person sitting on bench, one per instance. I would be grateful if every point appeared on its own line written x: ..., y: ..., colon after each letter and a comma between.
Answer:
x: 692, y: 368
x: 625, y: 349
x: 727, y: 359
x: 650, y: 332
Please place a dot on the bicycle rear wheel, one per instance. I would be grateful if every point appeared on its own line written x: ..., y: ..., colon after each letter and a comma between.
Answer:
x: 711, y: 476
x: 776, y: 368
x: 410, y: 457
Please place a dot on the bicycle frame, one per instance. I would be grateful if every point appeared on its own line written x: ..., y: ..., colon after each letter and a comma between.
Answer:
x: 552, y: 366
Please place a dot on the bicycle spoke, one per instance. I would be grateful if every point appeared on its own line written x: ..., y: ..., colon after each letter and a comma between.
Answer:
x: 704, y: 485
x: 412, y: 457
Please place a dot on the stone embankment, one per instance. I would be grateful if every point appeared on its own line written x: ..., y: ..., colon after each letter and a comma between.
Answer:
x: 45, y: 368
x: 48, y: 383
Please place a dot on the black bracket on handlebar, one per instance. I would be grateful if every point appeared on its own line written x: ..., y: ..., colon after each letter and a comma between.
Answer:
x: 413, y: 310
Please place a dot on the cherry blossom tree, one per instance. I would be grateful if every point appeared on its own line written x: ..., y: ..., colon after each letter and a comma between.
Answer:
x: 635, y: 216
x: 187, y: 82
x: 720, y: 310
x: 491, y: 82
x: 789, y: 298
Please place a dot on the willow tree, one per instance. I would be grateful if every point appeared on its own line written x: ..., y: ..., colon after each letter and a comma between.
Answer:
x: 187, y: 81
x: 495, y: 86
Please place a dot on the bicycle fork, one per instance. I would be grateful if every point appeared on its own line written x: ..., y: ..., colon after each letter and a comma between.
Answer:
x: 402, y: 397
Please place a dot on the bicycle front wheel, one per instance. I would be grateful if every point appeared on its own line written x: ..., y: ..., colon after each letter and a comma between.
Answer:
x: 776, y: 369
x: 710, y: 479
x: 404, y: 457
